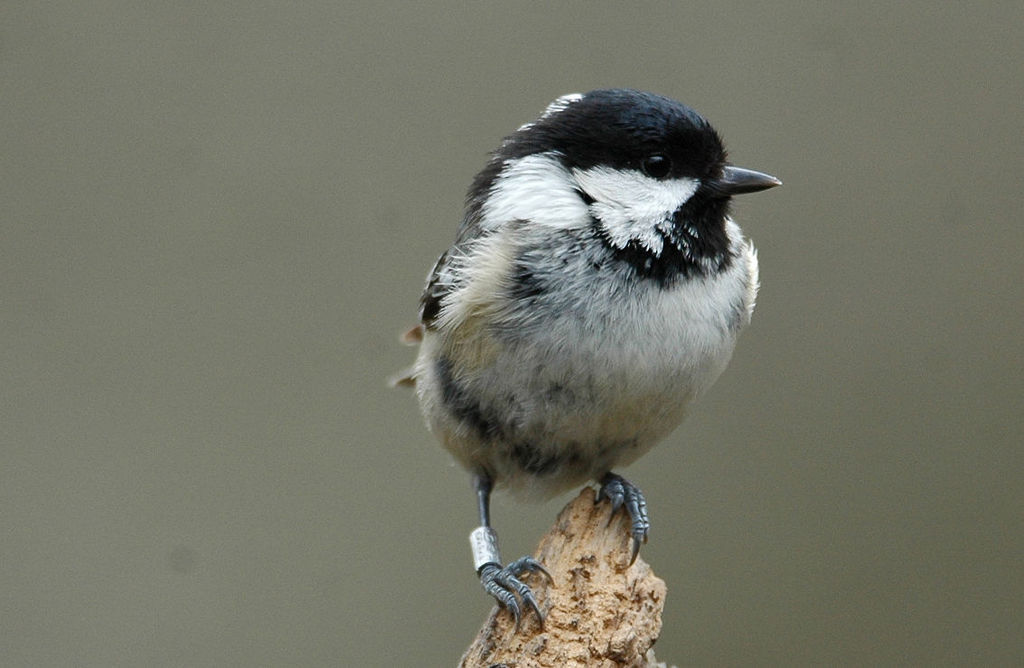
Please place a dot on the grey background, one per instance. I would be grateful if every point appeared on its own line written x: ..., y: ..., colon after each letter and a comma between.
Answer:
x: 216, y: 218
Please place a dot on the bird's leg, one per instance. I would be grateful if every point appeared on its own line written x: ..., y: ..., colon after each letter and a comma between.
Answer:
x: 621, y: 493
x: 501, y: 583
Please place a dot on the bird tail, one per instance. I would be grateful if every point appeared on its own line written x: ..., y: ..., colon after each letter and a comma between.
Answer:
x: 407, y: 377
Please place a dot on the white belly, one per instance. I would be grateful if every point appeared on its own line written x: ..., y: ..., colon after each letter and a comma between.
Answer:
x: 551, y: 402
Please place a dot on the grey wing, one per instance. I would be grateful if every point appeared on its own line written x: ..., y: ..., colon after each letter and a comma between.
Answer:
x: 447, y: 276
x: 442, y: 279
x: 439, y: 283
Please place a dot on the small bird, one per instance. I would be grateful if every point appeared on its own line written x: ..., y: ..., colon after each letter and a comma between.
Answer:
x: 596, y: 286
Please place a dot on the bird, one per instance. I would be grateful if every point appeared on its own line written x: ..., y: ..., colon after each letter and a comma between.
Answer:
x: 596, y: 286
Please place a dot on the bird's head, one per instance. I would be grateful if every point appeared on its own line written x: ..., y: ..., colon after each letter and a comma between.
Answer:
x: 647, y: 174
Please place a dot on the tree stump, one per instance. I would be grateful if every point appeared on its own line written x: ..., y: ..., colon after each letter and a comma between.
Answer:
x: 600, y: 610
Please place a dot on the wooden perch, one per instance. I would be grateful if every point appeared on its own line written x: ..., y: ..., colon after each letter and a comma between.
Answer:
x: 600, y: 611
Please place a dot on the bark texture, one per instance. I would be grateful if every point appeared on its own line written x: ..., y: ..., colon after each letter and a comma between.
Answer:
x: 600, y: 611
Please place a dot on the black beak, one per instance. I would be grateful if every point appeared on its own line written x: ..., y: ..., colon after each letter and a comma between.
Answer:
x: 737, y: 180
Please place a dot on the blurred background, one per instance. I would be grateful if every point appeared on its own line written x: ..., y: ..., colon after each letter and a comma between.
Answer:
x: 216, y: 220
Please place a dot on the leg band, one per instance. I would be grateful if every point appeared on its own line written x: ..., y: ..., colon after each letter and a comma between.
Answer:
x: 484, y: 543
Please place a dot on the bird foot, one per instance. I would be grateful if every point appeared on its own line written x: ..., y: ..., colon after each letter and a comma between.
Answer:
x: 623, y: 493
x: 504, y: 585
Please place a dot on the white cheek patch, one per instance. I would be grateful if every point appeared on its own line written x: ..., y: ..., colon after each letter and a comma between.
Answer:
x: 535, y: 188
x: 632, y: 206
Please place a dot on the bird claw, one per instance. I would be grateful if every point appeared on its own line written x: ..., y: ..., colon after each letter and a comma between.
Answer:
x: 504, y: 585
x: 622, y: 493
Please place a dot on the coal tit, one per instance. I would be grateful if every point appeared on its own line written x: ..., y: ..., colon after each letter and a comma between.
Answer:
x: 596, y: 285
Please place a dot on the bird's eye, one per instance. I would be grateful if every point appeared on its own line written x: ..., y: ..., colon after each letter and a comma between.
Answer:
x: 656, y: 166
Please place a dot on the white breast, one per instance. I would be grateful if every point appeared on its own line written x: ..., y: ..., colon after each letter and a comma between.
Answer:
x: 607, y: 375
